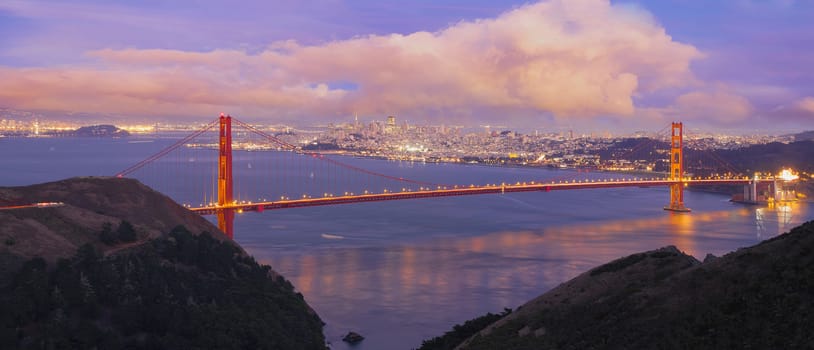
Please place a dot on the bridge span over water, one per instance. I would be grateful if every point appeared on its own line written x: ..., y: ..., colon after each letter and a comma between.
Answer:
x: 445, y: 191
x: 342, y: 186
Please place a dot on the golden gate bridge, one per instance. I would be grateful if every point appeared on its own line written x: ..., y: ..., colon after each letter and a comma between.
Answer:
x: 323, y: 180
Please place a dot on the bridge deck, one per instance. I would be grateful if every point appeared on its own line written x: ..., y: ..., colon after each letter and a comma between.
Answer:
x: 460, y: 191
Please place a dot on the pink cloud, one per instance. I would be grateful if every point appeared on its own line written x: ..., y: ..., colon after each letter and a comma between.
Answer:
x: 719, y: 105
x: 800, y: 112
x: 806, y: 105
x: 569, y: 58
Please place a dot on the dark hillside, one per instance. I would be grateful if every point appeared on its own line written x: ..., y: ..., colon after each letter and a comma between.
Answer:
x: 805, y: 135
x: 181, y: 291
x: 109, y: 263
x: 772, y: 157
x: 760, y: 297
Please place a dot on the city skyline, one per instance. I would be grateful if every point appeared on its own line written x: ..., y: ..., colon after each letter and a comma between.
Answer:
x: 619, y: 66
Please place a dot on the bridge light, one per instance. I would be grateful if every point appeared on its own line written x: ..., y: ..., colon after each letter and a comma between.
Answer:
x: 788, y: 175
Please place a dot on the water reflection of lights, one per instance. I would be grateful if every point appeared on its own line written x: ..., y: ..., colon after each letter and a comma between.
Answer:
x: 413, y: 269
x: 404, y: 272
x: 782, y: 212
x: 684, y: 229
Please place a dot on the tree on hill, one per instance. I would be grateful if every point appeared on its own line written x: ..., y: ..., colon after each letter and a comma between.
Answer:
x: 106, y: 235
x: 461, y: 332
x: 126, y: 233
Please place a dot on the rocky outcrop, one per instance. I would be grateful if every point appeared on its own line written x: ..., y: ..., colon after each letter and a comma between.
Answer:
x: 353, y: 338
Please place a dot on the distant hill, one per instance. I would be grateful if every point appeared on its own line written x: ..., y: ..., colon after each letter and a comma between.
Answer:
x: 771, y: 157
x: 103, y: 130
x: 805, y: 135
x: 109, y: 263
x: 760, y: 297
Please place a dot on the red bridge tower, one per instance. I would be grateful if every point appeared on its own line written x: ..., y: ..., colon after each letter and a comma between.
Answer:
x: 226, y: 216
x: 677, y: 169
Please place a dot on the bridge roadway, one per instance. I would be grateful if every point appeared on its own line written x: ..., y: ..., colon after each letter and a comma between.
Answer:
x: 449, y: 191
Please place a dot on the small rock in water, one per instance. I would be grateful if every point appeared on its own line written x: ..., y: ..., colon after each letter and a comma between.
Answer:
x: 353, y: 337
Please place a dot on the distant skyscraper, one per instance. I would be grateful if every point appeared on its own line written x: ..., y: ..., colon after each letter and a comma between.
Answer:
x: 391, y: 124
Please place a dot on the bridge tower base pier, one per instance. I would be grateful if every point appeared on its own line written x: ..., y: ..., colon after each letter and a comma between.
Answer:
x: 677, y: 169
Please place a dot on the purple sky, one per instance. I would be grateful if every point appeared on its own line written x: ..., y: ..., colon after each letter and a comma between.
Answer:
x: 592, y: 64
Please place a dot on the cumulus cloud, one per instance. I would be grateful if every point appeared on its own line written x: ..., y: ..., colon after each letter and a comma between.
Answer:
x: 565, y: 58
x: 718, y: 105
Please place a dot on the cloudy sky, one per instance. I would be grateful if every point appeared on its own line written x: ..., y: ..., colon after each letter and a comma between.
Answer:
x: 601, y: 65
